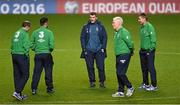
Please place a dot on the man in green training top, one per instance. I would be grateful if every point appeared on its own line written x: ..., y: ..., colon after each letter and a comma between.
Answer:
x: 43, y: 45
x: 124, y: 47
x: 20, y: 58
x: 147, y: 53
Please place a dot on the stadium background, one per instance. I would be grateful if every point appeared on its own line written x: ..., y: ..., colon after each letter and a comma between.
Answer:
x: 66, y: 19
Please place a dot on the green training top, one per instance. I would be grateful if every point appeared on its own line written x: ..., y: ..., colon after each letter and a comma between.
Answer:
x: 42, y: 40
x: 147, y: 36
x: 122, y: 41
x: 20, y: 42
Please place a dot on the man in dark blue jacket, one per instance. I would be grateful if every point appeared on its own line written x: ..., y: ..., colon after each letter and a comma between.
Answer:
x: 93, y: 43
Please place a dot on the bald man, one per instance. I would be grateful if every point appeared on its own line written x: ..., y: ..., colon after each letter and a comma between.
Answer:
x: 123, y: 47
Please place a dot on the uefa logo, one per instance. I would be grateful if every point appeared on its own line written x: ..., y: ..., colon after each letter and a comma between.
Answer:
x: 71, y: 7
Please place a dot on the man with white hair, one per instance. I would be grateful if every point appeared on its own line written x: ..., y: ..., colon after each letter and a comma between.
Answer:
x: 124, y: 48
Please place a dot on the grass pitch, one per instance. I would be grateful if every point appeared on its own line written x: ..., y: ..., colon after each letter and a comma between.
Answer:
x: 70, y: 74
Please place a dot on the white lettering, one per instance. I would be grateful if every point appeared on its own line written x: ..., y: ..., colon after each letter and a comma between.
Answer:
x: 85, y: 8
x: 152, y: 8
x: 4, y: 8
x: 117, y: 7
x: 140, y: 7
x: 174, y: 8
x: 109, y: 8
x: 168, y: 8
x: 132, y: 8
x: 101, y: 8
x: 124, y: 7
x: 162, y: 8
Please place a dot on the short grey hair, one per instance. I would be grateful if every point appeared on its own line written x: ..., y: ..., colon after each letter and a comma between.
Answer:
x: 118, y: 18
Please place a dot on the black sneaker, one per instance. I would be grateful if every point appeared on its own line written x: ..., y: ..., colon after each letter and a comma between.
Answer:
x: 34, y: 92
x: 101, y: 85
x: 92, y: 84
x: 50, y: 91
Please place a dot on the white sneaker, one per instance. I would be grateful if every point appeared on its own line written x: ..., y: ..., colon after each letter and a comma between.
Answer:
x: 152, y: 88
x: 130, y: 92
x: 17, y: 96
x: 144, y: 86
x: 118, y: 94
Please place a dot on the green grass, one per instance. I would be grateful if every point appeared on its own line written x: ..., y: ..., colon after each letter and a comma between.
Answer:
x: 70, y: 74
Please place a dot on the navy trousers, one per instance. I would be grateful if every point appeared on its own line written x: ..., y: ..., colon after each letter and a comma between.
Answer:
x: 99, y: 57
x: 20, y: 71
x: 122, y: 63
x: 45, y: 61
x: 147, y: 65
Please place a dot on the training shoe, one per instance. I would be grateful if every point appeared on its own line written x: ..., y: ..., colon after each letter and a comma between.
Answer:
x: 152, y: 88
x: 130, y: 92
x: 50, y: 91
x: 143, y: 86
x: 101, y: 85
x: 118, y: 94
x: 92, y: 84
x: 34, y: 92
x: 17, y: 96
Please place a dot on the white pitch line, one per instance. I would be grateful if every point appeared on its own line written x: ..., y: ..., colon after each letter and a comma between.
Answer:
x: 168, y: 53
x: 106, y: 101
x: 64, y: 50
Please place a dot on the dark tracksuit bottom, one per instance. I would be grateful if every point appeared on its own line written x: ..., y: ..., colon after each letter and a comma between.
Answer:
x: 147, y: 65
x: 20, y: 71
x: 99, y: 57
x: 45, y: 61
x: 122, y: 63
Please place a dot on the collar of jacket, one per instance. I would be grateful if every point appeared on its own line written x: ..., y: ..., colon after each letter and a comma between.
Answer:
x: 97, y: 22
x: 119, y: 29
x: 43, y: 27
x: 145, y: 24
x: 23, y: 29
